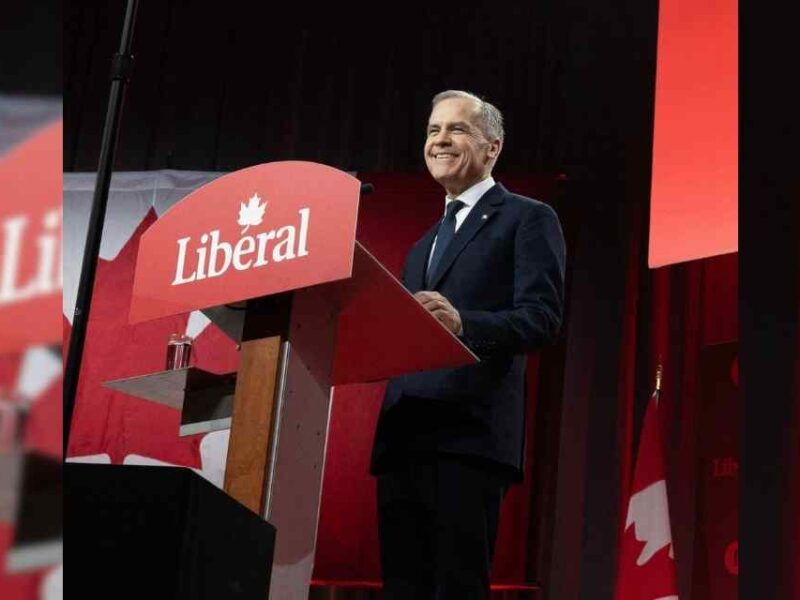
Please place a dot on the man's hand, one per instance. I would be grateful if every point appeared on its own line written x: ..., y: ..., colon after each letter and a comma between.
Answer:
x: 440, y: 307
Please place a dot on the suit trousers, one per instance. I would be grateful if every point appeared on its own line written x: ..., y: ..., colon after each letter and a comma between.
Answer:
x: 437, y: 525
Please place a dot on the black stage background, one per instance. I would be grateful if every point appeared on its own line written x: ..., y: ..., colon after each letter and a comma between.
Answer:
x: 30, y: 48
x: 769, y: 303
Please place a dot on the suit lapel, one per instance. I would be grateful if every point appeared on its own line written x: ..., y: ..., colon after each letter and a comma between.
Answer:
x: 478, y: 217
x: 418, y: 261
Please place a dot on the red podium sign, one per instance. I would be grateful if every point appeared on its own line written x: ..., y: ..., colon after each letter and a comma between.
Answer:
x: 259, y: 231
x: 30, y: 241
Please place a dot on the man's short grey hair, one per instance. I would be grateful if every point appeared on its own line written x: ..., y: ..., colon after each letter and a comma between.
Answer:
x: 490, y: 119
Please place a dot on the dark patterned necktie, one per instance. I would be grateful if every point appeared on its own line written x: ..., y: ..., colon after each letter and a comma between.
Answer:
x: 447, y: 229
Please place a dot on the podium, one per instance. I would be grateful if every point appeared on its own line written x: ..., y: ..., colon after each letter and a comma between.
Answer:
x: 311, y: 309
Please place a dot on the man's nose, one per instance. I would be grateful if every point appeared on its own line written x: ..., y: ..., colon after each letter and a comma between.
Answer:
x: 441, y: 138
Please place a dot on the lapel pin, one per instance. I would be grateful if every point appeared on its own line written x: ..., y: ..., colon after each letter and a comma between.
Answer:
x: 484, y: 217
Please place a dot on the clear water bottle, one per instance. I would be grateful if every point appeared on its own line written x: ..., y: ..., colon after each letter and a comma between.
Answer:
x: 179, y: 351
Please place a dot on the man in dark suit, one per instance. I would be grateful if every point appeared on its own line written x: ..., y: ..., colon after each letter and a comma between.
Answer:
x: 449, y: 442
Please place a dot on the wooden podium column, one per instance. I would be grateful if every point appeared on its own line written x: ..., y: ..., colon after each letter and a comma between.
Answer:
x: 255, y: 404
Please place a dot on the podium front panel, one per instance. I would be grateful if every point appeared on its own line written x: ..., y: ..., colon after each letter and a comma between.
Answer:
x: 384, y: 331
x: 295, y: 486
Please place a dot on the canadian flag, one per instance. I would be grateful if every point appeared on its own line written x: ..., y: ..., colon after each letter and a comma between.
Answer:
x: 646, y: 567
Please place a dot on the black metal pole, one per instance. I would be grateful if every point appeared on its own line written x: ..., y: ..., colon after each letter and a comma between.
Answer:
x: 121, y: 66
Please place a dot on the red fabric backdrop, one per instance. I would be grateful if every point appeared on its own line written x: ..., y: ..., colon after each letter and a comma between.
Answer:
x: 113, y: 423
x: 673, y: 312
x: 717, y: 555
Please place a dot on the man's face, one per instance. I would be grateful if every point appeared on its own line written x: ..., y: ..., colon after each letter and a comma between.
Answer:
x: 457, y: 153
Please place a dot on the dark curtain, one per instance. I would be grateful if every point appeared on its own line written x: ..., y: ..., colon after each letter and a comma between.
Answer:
x: 218, y: 88
x: 769, y: 238
x: 770, y: 306
x: 30, y: 48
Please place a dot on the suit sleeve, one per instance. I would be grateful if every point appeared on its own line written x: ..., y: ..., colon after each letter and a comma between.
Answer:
x: 535, y: 319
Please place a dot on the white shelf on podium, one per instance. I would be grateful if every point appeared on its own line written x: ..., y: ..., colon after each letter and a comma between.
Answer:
x: 205, y: 399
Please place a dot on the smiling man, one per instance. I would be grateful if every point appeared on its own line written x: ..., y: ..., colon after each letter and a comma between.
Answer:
x: 449, y: 442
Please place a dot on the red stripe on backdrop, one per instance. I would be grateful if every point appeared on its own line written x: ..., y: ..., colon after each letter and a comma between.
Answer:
x: 681, y: 409
x: 627, y: 374
x: 721, y: 296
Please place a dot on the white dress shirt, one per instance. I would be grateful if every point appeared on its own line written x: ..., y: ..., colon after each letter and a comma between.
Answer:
x: 469, y: 197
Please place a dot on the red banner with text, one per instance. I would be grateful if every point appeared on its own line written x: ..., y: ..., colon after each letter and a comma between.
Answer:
x: 258, y: 231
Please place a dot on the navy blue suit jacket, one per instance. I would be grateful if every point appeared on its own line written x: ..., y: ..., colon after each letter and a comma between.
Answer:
x: 504, y: 273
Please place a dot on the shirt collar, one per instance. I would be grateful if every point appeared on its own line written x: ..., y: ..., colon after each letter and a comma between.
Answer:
x: 471, y: 195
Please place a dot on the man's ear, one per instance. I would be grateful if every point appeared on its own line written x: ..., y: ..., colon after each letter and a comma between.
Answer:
x: 495, y: 147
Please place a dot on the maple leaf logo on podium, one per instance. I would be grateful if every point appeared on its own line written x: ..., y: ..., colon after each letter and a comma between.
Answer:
x: 251, y: 213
